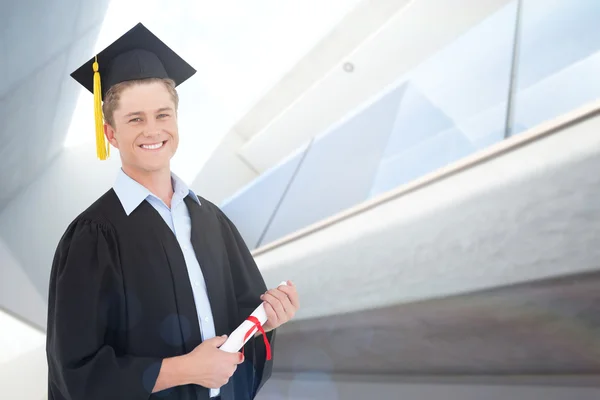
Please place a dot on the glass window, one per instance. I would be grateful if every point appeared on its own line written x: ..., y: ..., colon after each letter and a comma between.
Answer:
x: 252, y: 208
x: 455, y: 103
x: 339, y: 167
x: 559, y: 60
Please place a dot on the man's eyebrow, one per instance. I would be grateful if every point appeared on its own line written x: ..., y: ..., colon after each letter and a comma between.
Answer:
x: 138, y: 113
x: 131, y: 114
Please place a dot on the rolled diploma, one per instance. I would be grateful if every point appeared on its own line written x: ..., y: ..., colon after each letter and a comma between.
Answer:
x: 236, y: 341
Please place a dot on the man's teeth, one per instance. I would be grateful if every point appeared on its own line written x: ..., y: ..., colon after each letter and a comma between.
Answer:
x: 152, y: 146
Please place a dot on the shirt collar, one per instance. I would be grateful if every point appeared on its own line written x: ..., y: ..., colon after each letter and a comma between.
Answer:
x: 131, y: 193
x: 180, y: 187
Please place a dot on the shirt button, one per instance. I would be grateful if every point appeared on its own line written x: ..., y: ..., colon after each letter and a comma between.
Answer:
x: 206, y: 319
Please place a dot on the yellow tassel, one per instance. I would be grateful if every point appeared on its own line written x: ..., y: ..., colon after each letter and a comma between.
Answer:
x: 102, y: 148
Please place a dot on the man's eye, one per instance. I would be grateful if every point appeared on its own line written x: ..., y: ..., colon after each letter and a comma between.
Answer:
x: 163, y: 115
x: 135, y: 120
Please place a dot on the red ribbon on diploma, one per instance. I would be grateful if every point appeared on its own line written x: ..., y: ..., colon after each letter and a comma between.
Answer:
x: 256, y: 323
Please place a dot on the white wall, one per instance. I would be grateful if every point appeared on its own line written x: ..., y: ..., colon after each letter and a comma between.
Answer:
x: 25, y: 378
x: 23, y: 370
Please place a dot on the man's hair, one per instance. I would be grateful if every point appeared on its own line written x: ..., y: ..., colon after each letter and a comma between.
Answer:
x: 112, y: 96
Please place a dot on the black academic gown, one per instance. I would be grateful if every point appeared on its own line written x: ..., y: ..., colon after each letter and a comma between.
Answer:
x: 120, y: 301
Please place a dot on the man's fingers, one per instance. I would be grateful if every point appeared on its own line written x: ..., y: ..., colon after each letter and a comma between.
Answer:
x: 292, y: 294
x: 281, y: 304
x: 278, y: 294
x: 217, y: 341
x: 284, y: 299
x: 275, y: 302
x: 238, y: 358
x: 271, y: 314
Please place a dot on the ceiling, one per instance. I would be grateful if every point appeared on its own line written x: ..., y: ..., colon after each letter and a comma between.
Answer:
x: 381, y: 39
x: 357, y: 27
x: 401, y: 42
x: 239, y: 49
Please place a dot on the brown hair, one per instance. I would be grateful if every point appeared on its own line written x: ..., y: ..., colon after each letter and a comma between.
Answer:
x: 112, y: 96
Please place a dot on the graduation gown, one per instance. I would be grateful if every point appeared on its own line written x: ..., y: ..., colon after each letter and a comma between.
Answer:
x: 120, y: 301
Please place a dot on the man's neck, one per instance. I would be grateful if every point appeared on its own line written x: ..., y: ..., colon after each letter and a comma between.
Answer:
x: 157, y: 182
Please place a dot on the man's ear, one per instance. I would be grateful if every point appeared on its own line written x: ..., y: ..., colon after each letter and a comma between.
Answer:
x: 109, y: 132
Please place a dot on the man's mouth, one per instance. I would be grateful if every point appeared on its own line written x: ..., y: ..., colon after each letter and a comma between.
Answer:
x: 153, y: 146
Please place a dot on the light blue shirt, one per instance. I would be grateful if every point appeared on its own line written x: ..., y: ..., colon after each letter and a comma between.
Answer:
x: 131, y: 194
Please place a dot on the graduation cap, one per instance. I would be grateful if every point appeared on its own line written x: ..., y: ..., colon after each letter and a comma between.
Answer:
x: 138, y: 54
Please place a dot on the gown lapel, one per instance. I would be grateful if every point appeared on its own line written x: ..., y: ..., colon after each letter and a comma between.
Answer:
x: 184, y: 296
x: 208, y: 246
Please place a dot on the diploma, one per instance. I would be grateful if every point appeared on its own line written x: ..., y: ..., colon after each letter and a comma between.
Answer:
x: 247, y: 329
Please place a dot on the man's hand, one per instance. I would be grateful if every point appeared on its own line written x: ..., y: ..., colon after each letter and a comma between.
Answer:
x: 210, y: 367
x: 281, y: 305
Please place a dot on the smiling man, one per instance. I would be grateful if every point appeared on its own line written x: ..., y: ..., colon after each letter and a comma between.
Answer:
x: 147, y: 280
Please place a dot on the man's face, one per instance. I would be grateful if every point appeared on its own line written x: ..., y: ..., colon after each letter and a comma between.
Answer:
x: 145, y: 127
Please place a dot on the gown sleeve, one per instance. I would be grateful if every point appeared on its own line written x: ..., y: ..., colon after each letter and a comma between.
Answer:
x: 249, y: 285
x: 86, y: 318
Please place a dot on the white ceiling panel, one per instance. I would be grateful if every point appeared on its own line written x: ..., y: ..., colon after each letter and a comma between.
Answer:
x: 41, y: 46
x: 3, y: 65
x: 36, y: 33
x: 27, y: 132
x: 403, y: 43
x: 74, y: 116
x: 91, y: 15
x: 360, y: 23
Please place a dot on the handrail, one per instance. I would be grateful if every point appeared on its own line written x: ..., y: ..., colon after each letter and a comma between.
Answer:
x: 514, y: 142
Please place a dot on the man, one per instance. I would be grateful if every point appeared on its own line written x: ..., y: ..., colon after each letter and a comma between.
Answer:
x: 148, y: 279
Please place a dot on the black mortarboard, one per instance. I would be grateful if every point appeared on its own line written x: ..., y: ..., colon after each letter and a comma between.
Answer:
x: 138, y: 54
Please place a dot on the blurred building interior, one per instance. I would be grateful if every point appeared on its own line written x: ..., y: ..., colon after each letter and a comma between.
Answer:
x: 425, y: 171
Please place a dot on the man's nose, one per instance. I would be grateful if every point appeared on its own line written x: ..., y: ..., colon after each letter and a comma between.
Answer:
x: 151, y: 129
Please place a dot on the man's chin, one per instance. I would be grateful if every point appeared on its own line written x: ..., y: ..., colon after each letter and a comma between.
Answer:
x: 157, y: 167
x: 151, y: 167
